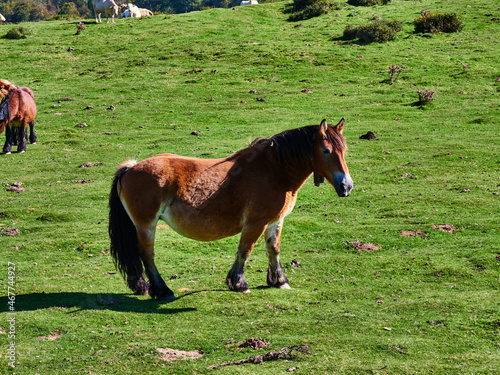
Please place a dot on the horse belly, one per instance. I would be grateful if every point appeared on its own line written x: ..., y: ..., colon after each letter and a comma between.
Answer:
x: 200, y: 226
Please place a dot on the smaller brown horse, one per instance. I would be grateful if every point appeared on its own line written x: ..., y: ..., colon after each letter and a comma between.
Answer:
x: 250, y: 192
x: 17, y: 110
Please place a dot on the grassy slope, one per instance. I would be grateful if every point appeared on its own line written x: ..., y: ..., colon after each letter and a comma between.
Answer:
x: 159, y: 76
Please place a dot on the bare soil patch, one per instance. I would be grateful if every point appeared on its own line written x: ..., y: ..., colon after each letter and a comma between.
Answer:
x: 412, y: 233
x: 11, y: 231
x: 254, y: 343
x: 360, y: 246
x: 172, y: 355
x: 16, y: 187
x: 53, y: 336
x: 445, y: 228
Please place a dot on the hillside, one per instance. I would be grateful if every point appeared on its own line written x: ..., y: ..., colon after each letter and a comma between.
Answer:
x: 426, y: 191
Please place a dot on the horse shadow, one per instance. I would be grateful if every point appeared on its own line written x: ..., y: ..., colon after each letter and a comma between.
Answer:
x: 95, y: 301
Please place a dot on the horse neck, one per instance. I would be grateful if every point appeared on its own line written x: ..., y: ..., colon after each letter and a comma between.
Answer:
x: 294, y: 153
x: 295, y: 174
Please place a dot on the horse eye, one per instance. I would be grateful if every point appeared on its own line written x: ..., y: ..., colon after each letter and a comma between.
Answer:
x: 326, y: 150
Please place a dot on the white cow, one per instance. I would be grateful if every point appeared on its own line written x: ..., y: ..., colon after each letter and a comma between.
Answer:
x: 145, y: 12
x: 130, y: 10
x: 2, y: 18
x: 133, y: 11
x: 106, y: 7
x: 250, y: 2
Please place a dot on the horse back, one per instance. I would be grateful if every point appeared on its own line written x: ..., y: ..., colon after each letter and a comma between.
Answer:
x: 22, y: 107
x: 27, y: 90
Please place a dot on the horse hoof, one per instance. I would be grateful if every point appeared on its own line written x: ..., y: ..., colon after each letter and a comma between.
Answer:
x: 246, y: 291
x: 285, y: 286
x: 7, y: 153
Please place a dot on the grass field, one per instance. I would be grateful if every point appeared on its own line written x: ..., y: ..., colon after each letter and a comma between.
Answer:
x: 425, y: 301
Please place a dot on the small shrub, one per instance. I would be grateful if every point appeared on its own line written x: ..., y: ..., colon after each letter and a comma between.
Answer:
x: 350, y: 32
x: 425, y: 97
x: 370, y: 3
x: 316, y: 9
x: 394, y: 72
x: 379, y: 31
x: 18, y: 33
x: 304, y: 9
x: 80, y: 27
x: 436, y: 22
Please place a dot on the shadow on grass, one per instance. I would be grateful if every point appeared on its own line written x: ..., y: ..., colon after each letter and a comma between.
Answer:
x: 96, y: 301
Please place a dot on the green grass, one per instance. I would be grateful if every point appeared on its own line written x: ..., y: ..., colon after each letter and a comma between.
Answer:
x: 167, y: 76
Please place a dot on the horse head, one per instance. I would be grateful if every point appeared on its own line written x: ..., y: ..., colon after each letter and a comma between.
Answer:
x: 328, y: 158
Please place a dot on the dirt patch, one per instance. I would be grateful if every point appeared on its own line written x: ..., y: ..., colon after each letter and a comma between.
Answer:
x: 11, y: 231
x: 445, y: 228
x: 408, y: 175
x: 172, y: 355
x: 360, y: 246
x: 16, y: 187
x: 254, y: 343
x: 412, y: 233
x: 53, y: 336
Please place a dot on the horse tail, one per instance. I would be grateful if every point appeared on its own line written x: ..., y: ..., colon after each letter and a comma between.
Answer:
x: 123, y: 235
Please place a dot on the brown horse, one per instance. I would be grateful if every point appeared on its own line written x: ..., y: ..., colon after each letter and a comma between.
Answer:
x: 17, y: 110
x: 208, y: 199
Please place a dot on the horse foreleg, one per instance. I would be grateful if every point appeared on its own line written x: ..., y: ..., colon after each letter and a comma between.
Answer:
x: 33, y: 137
x: 157, y: 287
x: 7, y: 148
x: 236, y: 276
x: 275, y: 276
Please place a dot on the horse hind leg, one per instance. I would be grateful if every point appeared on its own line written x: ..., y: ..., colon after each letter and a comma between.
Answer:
x: 33, y: 137
x: 275, y: 276
x: 21, y: 139
x: 157, y: 287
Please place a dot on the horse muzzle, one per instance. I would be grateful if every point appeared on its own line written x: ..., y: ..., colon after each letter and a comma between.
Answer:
x: 343, y: 184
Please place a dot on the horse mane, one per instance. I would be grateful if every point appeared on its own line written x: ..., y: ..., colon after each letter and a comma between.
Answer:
x: 260, y: 141
x: 5, y: 87
x: 5, y: 109
x: 295, y: 145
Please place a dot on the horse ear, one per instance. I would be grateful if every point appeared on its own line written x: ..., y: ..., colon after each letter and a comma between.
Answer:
x: 323, y: 128
x: 340, y: 126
